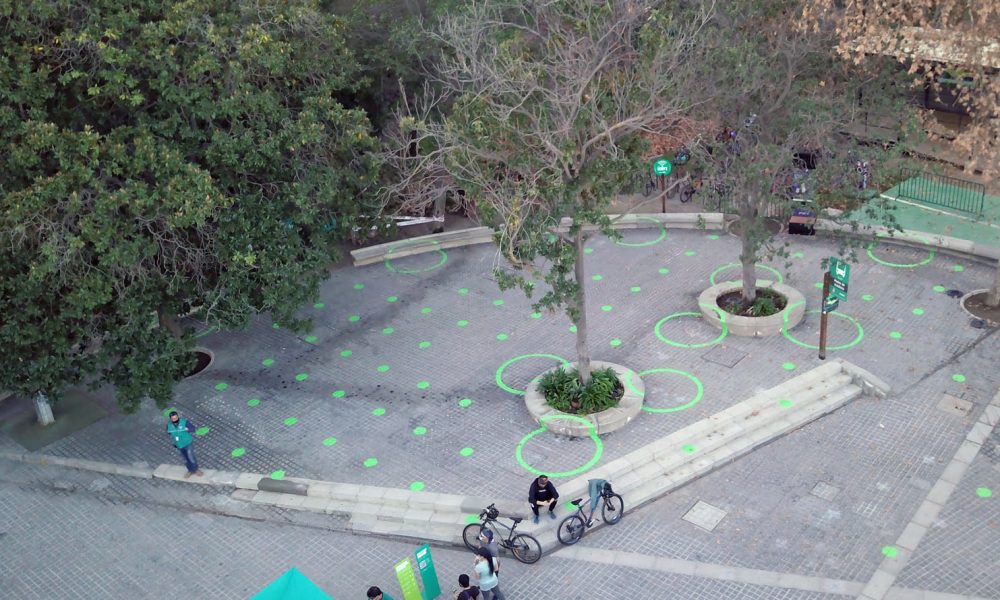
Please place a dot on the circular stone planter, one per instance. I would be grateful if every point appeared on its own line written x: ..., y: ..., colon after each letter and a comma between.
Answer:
x: 602, y: 422
x: 795, y: 309
x: 990, y: 322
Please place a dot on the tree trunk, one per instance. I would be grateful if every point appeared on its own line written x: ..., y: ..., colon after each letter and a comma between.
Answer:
x: 582, y: 351
x: 43, y: 410
x: 993, y: 297
x: 168, y: 321
x: 747, y: 255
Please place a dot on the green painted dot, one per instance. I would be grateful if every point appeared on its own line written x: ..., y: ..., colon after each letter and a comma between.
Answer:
x: 606, y: 308
x: 318, y: 305
x: 279, y: 474
x: 339, y: 394
x: 634, y: 289
x: 597, y: 277
x: 688, y: 449
x: 462, y: 323
x: 798, y: 255
x: 502, y: 336
x: 359, y: 286
x: 387, y: 330
x: 818, y: 285
x: 423, y: 385
x: 536, y: 315
x: 426, y: 310
x: 167, y: 411
x: 346, y: 353
x: 918, y: 311
x: 382, y: 368
x: 689, y: 253
x: 290, y: 421
x: 310, y: 339
x: 588, y: 250
x: 867, y: 297
x: 466, y: 451
x: 463, y: 291
x: 391, y: 299
x: 302, y: 377
x: 419, y: 430
x: 664, y: 270
x: 785, y: 403
x: 267, y: 362
x: 470, y: 519
x: 958, y: 268
x: 713, y: 236
x: 465, y: 402
x: 939, y: 288
x: 572, y: 328
x: 984, y: 492
x: 329, y: 441
x: 201, y: 431
x: 276, y: 326
x: 788, y: 366
x: 378, y: 412
x: 498, y: 303
x: 221, y: 386
x: 890, y: 551
x: 895, y: 335
x: 354, y: 318
x: 238, y: 452
x: 615, y: 343
x: 424, y: 344
x: 253, y: 401
x: 370, y: 462
x: 417, y: 486
x: 958, y: 377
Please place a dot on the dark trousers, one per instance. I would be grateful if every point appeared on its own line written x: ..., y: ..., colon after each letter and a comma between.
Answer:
x: 534, y: 507
x: 188, y: 453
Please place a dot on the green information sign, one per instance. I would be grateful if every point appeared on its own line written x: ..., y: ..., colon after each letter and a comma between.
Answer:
x: 425, y: 564
x: 840, y: 271
x: 662, y: 167
x: 407, y: 580
x: 830, y: 305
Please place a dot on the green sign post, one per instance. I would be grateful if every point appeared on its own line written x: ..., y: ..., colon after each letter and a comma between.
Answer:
x: 407, y: 580
x: 425, y: 564
x: 834, y: 290
x: 662, y: 167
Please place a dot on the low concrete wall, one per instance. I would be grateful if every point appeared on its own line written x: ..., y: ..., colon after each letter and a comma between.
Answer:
x: 795, y: 309
x: 602, y: 422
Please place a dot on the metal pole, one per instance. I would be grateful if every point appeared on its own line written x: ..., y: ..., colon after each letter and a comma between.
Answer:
x: 822, y: 319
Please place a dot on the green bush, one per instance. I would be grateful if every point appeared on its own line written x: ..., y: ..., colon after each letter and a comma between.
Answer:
x: 563, y: 391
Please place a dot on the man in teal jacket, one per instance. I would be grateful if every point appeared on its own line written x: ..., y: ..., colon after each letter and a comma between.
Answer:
x: 180, y: 431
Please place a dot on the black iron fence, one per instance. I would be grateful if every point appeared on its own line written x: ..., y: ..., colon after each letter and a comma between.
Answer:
x: 941, y: 190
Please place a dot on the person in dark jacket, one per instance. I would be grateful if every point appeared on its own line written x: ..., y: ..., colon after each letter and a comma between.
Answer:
x: 541, y: 493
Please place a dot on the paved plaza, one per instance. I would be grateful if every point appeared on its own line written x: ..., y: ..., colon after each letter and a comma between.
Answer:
x: 410, y: 379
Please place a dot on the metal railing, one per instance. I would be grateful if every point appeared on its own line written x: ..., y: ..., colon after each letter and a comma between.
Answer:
x: 941, y: 190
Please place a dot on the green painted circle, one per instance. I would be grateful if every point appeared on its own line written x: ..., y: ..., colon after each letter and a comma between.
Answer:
x: 930, y: 257
x: 591, y: 432
x: 895, y: 335
x: 939, y: 288
x: 788, y: 366
x: 984, y: 492
x: 462, y: 323
x: 606, y: 308
x: 329, y: 441
x: 387, y: 330
x: 711, y: 278
x: 302, y: 376
x: 279, y: 474
x: 238, y: 452
x: 536, y: 315
x: 310, y: 339
x: 370, y: 462
x: 958, y: 268
x: 615, y: 343
x: 867, y: 297
x: 419, y: 430
x: 503, y: 367
x: 423, y: 385
x: 498, y: 303
x: 664, y: 270
x: 635, y: 289
x: 688, y: 449
x: 290, y: 421
x: 318, y: 305
x: 426, y: 310
x: 417, y: 486
x: 346, y: 353
x: 659, y: 238
x: 424, y: 344
x: 253, y: 401
x: 689, y: 253
x: 857, y: 338
x: 382, y: 368
x: 466, y: 451
x: 392, y: 299
x: 958, y: 377
x: 668, y: 341
x: 442, y: 258
x: 267, y: 362
x: 502, y: 336
x: 359, y: 286
x: 465, y: 402
x: 699, y: 390
x: 338, y: 394
x: 890, y: 551
x: 918, y: 311
x: 597, y: 277
x: 378, y: 412
x: 785, y: 403
x: 463, y: 291
x: 201, y: 431
x: 221, y: 386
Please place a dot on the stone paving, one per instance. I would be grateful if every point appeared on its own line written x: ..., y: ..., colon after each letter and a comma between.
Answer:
x: 877, y: 458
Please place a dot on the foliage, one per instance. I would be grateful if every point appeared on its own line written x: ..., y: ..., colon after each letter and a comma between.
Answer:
x: 164, y: 157
x: 767, y: 302
x: 564, y: 392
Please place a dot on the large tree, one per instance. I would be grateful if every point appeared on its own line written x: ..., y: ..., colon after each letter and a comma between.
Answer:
x: 546, y: 102
x: 164, y: 157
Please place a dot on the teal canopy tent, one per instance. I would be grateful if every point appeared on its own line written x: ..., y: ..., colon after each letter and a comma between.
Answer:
x: 293, y: 585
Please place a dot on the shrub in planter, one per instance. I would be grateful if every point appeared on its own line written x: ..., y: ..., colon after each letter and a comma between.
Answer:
x: 767, y: 303
x: 564, y: 392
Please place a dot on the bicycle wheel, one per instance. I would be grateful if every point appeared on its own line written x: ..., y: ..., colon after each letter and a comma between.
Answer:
x: 612, y: 509
x: 526, y: 548
x: 571, y: 530
x: 470, y: 535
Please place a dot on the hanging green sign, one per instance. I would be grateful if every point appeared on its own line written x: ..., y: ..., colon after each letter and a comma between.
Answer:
x: 662, y: 167
x: 407, y: 580
x: 830, y: 305
x: 425, y: 564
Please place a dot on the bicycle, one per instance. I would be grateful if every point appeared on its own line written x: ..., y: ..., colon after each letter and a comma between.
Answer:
x: 572, y: 528
x: 523, y: 546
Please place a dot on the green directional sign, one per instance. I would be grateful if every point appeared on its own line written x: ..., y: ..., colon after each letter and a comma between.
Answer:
x: 662, y: 167
x: 830, y: 305
x: 425, y: 564
x: 407, y: 580
x: 840, y: 272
